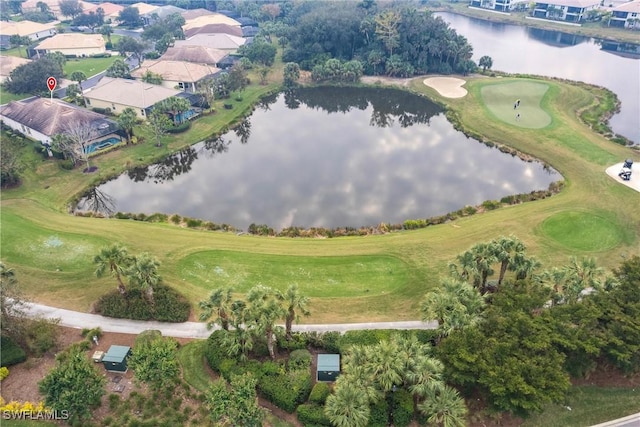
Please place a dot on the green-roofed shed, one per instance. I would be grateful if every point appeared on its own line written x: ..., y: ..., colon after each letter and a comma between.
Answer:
x: 116, y: 358
x: 328, y: 367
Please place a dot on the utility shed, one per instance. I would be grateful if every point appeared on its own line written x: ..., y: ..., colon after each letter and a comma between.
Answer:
x: 328, y: 367
x: 116, y: 358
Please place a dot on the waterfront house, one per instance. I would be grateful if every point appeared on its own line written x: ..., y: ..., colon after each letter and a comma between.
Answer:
x: 42, y: 118
x: 500, y: 5
x: 564, y: 10
x: 33, y: 30
x: 118, y: 94
x: 177, y: 74
x: 73, y: 45
x: 626, y: 15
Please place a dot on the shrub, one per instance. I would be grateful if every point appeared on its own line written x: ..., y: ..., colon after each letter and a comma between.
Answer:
x: 379, y: 415
x: 99, y: 110
x: 182, y: 127
x: 298, y: 341
x: 214, y: 351
x: 175, y: 218
x: 319, y: 393
x: 90, y: 333
x: 490, y: 204
x: 169, y: 305
x: 228, y: 106
x: 312, y: 415
x: 402, y: 408
x: 11, y: 353
x: 4, y: 373
x: 364, y: 337
x: 286, y: 391
x: 157, y: 217
x: 41, y: 335
x: 299, y: 359
x: 193, y: 222
x: 66, y: 164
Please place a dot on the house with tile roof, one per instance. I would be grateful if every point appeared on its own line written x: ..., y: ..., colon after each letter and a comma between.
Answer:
x: 626, y: 15
x: 8, y: 64
x: 54, y: 6
x: 195, y: 54
x: 215, y: 29
x: 194, y: 13
x: 177, y: 74
x: 144, y: 8
x: 118, y: 94
x: 216, y: 18
x: 71, y: 44
x: 226, y: 42
x: 111, y: 10
x: 564, y: 10
x: 42, y: 118
x: 34, y: 30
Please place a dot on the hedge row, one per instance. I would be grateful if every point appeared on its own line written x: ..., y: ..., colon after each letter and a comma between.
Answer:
x: 312, y: 415
x: 168, y: 305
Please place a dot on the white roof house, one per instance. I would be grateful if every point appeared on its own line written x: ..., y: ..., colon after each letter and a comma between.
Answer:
x: 33, y: 30
x: 181, y: 74
x: 224, y: 42
x: 118, y: 94
x: 73, y: 44
x: 216, y: 18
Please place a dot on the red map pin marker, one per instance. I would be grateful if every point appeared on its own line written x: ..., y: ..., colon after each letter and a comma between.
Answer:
x: 52, y: 83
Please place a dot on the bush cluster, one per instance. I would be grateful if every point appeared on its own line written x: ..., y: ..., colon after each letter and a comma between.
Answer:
x: 319, y: 393
x: 287, y: 390
x: 11, y: 353
x: 168, y: 306
x: 402, y: 408
x: 176, y: 220
x: 182, y: 127
x: 312, y: 415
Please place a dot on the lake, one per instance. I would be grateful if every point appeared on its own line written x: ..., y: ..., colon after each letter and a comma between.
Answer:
x: 518, y: 49
x: 329, y: 157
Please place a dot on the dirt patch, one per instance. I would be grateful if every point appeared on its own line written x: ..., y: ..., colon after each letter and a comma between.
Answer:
x: 608, y: 376
x: 384, y: 80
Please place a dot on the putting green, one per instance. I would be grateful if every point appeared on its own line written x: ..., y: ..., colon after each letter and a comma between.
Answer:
x: 500, y: 99
x: 324, y: 276
x: 583, y: 231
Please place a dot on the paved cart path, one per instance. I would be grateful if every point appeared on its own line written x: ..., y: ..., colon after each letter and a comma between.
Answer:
x: 76, y: 319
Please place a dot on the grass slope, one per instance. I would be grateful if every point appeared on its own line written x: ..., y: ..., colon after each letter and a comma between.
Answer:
x: 36, y: 212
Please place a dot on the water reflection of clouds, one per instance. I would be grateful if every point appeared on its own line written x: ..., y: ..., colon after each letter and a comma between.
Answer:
x: 320, y: 169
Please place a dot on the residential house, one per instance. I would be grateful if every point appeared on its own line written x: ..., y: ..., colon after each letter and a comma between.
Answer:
x: 564, y: 10
x: 226, y: 42
x: 500, y: 5
x: 144, y: 8
x: 194, y: 13
x: 626, y: 15
x: 8, y: 64
x: 54, y: 7
x: 118, y: 94
x: 232, y: 30
x: 216, y: 18
x: 161, y: 12
x: 111, y: 10
x: 42, y: 118
x: 33, y: 30
x: 195, y: 54
x: 73, y: 45
x: 177, y: 74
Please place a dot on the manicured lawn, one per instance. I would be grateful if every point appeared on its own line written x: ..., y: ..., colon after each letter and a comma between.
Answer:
x: 501, y: 100
x: 589, y: 406
x: 8, y: 97
x: 89, y: 66
x: 194, y: 371
x: 326, y: 276
x: 15, y: 51
x: 583, y: 231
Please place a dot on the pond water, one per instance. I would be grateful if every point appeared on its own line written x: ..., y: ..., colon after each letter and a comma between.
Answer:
x: 327, y: 157
x: 519, y: 49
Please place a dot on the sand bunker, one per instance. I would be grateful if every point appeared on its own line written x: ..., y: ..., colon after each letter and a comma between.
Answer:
x: 449, y: 87
x: 634, y: 182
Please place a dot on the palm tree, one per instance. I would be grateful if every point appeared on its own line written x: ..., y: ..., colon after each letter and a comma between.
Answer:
x: 582, y: 275
x: 106, y: 30
x: 218, y: 304
x: 386, y: 368
x: 176, y: 106
x: 293, y: 302
x: 143, y: 273
x: 507, y: 251
x: 79, y: 76
x: 127, y: 120
x: 114, y: 259
x: 444, y: 407
x: 264, y: 310
x: 348, y: 406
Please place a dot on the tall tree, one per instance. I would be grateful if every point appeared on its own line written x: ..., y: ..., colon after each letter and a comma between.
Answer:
x: 78, y: 135
x: 19, y: 41
x: 143, y: 273
x: 486, y: 63
x: 127, y: 120
x: 509, y: 252
x: 348, y: 406
x: 119, y: 69
x: 106, y: 30
x: 158, y: 123
x: 79, y: 76
x: 155, y: 361
x: 113, y: 259
x: 294, y: 303
x: 71, y: 8
x: 73, y: 386
x: 130, y: 45
x: 291, y: 74
x: 236, y: 405
x: 263, y: 311
x: 444, y: 407
x: 57, y: 57
x: 130, y: 17
x: 387, y: 24
x: 174, y: 105
x: 218, y: 306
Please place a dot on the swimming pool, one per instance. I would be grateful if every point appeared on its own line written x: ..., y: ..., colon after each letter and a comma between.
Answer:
x: 101, y: 145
